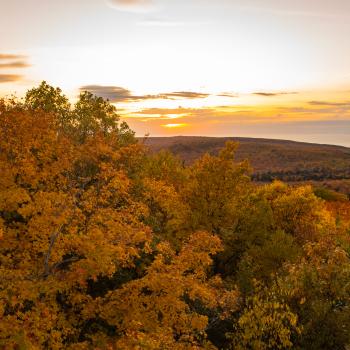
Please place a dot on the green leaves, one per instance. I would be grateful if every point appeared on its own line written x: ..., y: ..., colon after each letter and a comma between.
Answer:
x: 91, y: 115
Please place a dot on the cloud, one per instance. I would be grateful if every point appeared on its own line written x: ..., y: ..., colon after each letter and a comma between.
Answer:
x: 5, y: 56
x: 165, y: 111
x: 227, y: 94
x: 331, y: 104
x: 192, y: 115
x: 8, y: 78
x: 201, y: 116
x: 299, y: 123
x: 113, y: 93
x: 243, y: 114
x: 120, y: 94
x: 12, y: 61
x: 14, y: 64
x: 271, y: 94
x: 185, y: 94
x: 198, y: 113
x: 320, y: 109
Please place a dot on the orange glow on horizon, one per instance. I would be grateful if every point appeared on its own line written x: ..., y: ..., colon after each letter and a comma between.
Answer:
x: 175, y: 125
x: 286, y: 76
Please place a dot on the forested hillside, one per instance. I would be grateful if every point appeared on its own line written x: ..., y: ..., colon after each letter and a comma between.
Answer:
x: 289, y: 161
x: 104, y: 245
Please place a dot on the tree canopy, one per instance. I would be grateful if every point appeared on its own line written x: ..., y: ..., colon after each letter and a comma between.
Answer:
x: 104, y: 245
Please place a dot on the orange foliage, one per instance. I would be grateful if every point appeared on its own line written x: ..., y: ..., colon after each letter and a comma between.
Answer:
x: 70, y: 221
x: 103, y: 246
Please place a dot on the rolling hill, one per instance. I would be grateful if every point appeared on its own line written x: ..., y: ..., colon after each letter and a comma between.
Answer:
x: 271, y: 159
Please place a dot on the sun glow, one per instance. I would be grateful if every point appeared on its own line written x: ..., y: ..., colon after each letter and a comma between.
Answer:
x: 175, y: 125
x: 216, y: 68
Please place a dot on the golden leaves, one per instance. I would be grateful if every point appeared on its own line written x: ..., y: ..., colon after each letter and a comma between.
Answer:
x: 105, y: 247
x: 155, y: 307
x: 266, y: 323
x: 70, y: 219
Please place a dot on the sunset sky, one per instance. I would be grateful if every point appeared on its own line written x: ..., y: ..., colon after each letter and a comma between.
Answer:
x: 258, y: 68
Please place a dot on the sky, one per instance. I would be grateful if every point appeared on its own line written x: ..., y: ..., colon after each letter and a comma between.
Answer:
x: 257, y: 68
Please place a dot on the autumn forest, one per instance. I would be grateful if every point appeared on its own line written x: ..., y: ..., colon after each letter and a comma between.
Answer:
x: 106, y: 245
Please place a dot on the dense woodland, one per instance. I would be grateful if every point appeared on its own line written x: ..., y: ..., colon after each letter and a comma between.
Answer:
x: 288, y: 161
x: 105, y: 245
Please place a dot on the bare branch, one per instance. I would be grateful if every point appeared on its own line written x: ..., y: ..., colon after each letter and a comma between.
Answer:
x: 49, y: 251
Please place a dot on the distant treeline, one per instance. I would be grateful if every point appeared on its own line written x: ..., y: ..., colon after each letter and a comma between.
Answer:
x: 316, y: 174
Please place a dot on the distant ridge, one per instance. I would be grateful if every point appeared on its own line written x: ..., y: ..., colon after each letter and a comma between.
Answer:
x: 270, y: 158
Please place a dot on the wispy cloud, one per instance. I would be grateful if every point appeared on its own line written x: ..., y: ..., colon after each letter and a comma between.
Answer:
x: 120, y: 94
x: 14, y: 64
x: 305, y: 122
x: 185, y: 94
x: 247, y: 114
x: 6, y: 56
x: 200, y: 116
x: 11, y: 61
x: 272, y: 94
x: 329, y: 103
x: 165, y: 111
x: 9, y: 78
x: 114, y: 93
x: 227, y: 94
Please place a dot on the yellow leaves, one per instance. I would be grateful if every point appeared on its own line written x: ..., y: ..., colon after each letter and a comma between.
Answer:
x: 266, y: 323
x: 12, y: 197
x: 77, y: 222
x: 199, y: 323
x: 340, y: 211
x: 228, y: 152
x: 298, y: 211
x: 156, y: 303
x: 103, y: 247
x: 326, y: 267
x: 70, y: 219
x: 151, y: 341
x: 167, y: 212
x: 31, y: 147
x: 167, y: 168
x: 229, y: 302
x: 215, y: 185
x: 196, y: 253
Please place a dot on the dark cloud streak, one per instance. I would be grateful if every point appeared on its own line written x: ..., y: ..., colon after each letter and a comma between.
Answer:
x: 227, y: 94
x: 272, y: 94
x: 120, y: 94
x: 185, y: 94
x: 113, y: 93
